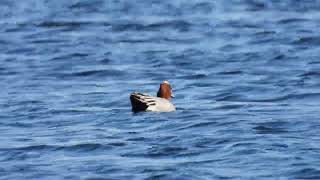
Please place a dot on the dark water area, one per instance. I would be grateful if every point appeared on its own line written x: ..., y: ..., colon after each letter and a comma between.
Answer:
x: 245, y: 73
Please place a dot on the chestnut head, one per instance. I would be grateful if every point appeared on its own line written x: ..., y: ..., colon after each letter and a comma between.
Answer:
x: 165, y: 90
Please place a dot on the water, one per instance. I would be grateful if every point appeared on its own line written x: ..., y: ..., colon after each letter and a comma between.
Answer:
x: 245, y: 74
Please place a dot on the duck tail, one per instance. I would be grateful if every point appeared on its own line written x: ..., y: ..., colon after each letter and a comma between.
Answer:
x: 138, y: 102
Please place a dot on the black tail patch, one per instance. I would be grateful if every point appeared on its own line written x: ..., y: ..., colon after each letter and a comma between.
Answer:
x: 138, y: 103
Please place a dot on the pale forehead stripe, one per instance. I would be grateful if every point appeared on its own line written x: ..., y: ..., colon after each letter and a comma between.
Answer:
x: 166, y: 82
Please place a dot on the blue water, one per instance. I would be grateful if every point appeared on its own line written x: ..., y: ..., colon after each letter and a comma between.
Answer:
x: 246, y: 75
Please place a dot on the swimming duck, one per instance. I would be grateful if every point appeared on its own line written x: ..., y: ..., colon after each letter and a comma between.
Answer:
x: 161, y: 103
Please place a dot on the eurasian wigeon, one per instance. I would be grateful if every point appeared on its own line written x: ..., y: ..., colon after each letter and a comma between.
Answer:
x: 161, y: 103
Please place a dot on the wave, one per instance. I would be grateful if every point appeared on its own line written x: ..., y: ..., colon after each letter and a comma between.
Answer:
x: 310, y: 41
x: 82, y: 147
x: 180, y: 25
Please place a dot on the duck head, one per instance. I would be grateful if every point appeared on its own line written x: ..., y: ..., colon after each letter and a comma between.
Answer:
x: 165, y: 90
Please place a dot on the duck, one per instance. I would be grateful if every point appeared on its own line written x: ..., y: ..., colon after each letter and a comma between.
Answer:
x: 144, y: 102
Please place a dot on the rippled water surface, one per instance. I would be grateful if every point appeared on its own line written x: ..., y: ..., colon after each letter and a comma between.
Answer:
x: 246, y: 75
